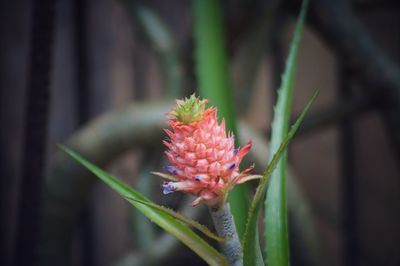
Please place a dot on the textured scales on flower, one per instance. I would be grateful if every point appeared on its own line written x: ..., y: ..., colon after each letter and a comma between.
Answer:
x: 204, y: 161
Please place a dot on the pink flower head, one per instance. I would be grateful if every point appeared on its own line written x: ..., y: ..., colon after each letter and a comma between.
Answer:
x: 204, y: 161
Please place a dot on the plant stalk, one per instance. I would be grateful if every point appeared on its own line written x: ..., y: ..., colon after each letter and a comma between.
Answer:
x: 226, y: 228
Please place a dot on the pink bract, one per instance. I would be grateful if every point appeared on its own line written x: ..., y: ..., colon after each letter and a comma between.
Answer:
x: 203, y: 157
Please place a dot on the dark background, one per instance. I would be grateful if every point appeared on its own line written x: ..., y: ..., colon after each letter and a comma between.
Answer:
x: 64, y: 63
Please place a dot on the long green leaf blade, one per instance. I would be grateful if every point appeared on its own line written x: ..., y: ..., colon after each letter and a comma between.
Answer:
x: 213, y: 83
x: 276, y: 231
x: 202, y: 228
x: 164, y: 220
x: 250, y: 241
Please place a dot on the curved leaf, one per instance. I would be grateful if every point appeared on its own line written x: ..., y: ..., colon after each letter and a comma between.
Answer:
x: 202, y: 228
x: 164, y: 220
x: 276, y: 231
x: 251, y: 238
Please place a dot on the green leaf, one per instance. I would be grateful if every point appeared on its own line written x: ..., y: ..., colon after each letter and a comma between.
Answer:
x: 202, y: 228
x: 251, y: 237
x: 164, y: 220
x: 276, y: 231
x: 160, y: 36
x: 143, y: 229
x: 213, y: 83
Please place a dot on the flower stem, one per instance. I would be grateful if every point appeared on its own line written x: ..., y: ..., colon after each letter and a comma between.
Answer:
x: 225, y: 227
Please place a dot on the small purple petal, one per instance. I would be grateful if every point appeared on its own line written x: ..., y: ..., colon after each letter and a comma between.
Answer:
x: 197, y: 178
x: 232, y: 166
x: 235, y: 151
x: 170, y: 169
x: 167, y: 188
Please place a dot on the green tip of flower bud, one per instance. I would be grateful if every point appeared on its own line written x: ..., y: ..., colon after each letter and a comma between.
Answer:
x: 190, y: 109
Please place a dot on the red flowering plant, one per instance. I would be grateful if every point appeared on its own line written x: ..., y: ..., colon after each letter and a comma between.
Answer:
x: 204, y: 162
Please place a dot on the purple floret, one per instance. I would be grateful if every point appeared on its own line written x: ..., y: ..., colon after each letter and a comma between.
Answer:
x: 171, y: 169
x: 167, y: 188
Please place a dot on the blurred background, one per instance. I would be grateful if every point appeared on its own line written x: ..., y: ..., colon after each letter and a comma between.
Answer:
x: 100, y: 75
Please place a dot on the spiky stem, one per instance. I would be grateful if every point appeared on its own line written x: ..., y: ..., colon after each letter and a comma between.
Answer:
x: 226, y: 228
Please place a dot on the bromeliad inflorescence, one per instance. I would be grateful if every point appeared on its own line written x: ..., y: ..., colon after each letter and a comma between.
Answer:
x: 204, y: 161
